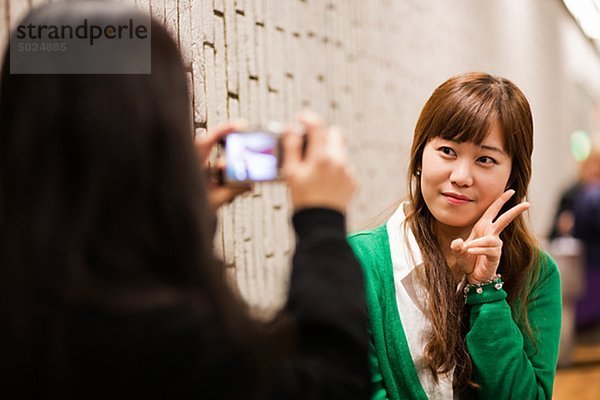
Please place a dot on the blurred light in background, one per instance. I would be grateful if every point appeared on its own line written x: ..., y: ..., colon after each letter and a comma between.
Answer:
x: 587, y: 15
x: 581, y: 145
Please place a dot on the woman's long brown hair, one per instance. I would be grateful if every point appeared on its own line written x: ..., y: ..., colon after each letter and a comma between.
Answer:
x: 462, y: 109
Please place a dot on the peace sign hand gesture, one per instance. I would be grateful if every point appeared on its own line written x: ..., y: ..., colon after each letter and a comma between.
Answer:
x: 479, y: 255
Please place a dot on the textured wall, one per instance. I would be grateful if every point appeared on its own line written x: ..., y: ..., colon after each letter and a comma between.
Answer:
x: 368, y: 66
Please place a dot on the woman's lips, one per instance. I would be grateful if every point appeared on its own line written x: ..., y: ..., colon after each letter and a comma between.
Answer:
x: 455, y: 198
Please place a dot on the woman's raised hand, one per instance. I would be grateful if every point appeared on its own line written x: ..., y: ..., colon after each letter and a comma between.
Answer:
x: 322, y: 177
x: 479, y: 255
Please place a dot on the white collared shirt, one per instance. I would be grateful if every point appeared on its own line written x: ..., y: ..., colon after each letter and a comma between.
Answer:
x: 410, y: 297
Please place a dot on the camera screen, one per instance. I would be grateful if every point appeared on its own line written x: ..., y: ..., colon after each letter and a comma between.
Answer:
x: 251, y: 156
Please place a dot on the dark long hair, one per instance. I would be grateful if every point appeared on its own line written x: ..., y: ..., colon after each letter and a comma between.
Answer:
x: 102, y: 201
x: 462, y: 109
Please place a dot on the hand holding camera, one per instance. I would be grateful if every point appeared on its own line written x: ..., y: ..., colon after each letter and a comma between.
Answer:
x: 219, y: 194
x: 313, y: 164
x: 322, y: 176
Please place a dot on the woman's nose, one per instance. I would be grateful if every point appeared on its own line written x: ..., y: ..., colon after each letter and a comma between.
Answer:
x: 461, y: 174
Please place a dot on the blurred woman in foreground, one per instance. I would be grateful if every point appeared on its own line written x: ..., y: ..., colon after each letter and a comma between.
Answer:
x: 111, y: 287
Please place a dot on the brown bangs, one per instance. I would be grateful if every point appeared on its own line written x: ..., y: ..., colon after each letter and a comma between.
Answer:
x: 463, y: 108
x: 466, y: 116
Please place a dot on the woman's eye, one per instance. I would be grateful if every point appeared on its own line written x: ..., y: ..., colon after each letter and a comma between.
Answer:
x: 447, y: 151
x: 487, y: 160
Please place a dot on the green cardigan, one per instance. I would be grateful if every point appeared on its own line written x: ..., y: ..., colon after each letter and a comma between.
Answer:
x: 507, y: 365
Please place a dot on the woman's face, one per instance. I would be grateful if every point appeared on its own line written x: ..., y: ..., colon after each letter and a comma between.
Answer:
x: 459, y: 181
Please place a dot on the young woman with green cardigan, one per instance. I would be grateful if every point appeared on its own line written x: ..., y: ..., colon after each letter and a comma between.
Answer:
x: 462, y: 301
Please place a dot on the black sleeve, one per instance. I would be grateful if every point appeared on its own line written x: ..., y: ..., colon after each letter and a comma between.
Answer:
x: 327, y: 305
x: 587, y: 214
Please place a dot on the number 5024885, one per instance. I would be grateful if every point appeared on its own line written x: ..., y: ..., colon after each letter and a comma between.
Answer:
x: 42, y: 46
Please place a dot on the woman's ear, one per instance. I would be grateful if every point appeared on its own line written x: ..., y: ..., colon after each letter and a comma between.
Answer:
x: 418, y: 167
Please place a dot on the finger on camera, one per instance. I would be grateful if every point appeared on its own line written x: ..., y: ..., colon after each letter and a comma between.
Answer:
x: 216, y: 134
x: 204, y: 144
x: 292, y: 150
x: 315, y: 131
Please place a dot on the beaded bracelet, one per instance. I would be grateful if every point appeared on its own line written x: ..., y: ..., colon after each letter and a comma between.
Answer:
x: 496, y: 280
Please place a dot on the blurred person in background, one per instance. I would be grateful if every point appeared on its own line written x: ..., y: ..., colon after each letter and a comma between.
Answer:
x: 463, y: 303
x: 586, y: 227
x: 110, y: 285
x: 573, y: 240
x: 564, y: 218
